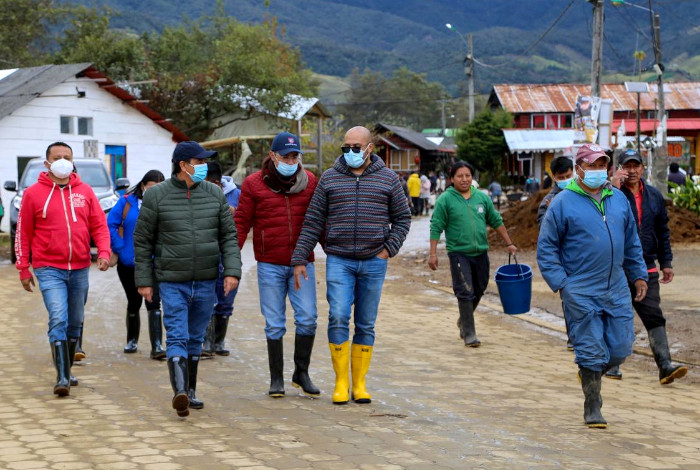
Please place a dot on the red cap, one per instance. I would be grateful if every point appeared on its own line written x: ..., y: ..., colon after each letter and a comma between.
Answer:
x: 590, y: 153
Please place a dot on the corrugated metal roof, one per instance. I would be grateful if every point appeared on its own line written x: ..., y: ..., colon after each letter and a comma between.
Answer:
x: 561, y: 98
x: 416, y: 138
x: 538, y: 140
x: 23, y: 85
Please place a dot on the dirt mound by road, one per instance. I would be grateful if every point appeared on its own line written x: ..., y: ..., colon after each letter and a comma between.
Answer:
x: 524, y: 230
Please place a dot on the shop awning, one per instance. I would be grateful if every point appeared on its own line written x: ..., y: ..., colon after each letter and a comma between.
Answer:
x: 538, y: 140
x: 650, y: 125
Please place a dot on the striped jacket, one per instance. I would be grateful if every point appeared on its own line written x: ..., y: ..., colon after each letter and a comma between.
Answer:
x: 361, y: 215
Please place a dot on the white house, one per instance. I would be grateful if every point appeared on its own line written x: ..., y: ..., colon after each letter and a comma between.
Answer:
x: 79, y: 105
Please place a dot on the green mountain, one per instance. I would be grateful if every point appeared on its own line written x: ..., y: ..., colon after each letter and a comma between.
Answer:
x: 337, y: 36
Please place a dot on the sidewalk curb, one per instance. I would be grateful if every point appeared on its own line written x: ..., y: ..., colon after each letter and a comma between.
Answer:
x: 549, y: 326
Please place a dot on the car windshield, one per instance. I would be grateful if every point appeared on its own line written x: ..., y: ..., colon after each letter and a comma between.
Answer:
x: 91, y: 174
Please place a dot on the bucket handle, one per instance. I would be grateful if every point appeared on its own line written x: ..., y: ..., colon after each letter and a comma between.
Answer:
x: 516, y: 263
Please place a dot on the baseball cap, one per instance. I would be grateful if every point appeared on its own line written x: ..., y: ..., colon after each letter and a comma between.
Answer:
x: 285, y: 142
x: 630, y: 155
x: 590, y: 153
x: 189, y: 149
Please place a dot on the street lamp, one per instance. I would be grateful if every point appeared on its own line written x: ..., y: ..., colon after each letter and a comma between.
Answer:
x: 468, y: 68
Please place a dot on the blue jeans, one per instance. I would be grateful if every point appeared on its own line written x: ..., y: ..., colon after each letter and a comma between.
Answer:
x: 224, y: 303
x: 187, y: 308
x: 65, y: 293
x: 359, y: 282
x: 275, y: 283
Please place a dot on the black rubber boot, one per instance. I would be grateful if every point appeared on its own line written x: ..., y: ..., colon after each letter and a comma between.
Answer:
x: 591, y: 383
x: 72, y: 346
x: 208, y: 344
x: 467, y: 330
x: 303, y: 345
x: 155, y: 332
x: 220, y: 327
x: 276, y: 360
x: 192, y: 365
x: 614, y: 372
x: 658, y: 341
x: 61, y: 361
x: 79, y: 353
x: 177, y: 367
x: 133, y: 326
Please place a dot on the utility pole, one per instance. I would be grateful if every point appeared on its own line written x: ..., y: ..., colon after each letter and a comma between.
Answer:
x: 659, y: 163
x: 443, y: 121
x: 469, y: 72
x: 597, y: 56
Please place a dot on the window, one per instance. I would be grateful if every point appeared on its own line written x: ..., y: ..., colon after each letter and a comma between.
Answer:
x: 84, y: 126
x: 552, y: 121
x: 67, y: 125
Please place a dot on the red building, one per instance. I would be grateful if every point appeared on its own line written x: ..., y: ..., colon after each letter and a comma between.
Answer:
x: 544, y: 116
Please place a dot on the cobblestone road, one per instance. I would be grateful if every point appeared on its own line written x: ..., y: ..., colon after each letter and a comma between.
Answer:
x: 513, y: 403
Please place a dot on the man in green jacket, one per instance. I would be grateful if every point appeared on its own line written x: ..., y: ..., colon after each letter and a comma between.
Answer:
x: 463, y: 212
x: 183, y: 226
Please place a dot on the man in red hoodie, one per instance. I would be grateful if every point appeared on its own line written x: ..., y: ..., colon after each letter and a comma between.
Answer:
x: 58, y: 216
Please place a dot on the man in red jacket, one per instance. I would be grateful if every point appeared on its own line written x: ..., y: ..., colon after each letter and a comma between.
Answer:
x: 58, y: 216
x: 273, y: 202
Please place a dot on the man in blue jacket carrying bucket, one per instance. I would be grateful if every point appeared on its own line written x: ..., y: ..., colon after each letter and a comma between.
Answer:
x: 588, y: 249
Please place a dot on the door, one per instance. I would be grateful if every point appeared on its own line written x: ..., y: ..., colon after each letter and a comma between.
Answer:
x: 116, y: 157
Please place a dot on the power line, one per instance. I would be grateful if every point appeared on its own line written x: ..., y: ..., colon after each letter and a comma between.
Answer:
x: 534, y: 44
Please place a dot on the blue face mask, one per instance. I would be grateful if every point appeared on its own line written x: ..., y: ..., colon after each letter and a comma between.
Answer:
x: 355, y: 159
x: 564, y: 183
x: 285, y: 169
x: 200, y: 172
x: 594, y: 179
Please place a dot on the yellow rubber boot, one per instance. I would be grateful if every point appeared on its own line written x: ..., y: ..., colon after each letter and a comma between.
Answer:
x: 340, y: 355
x: 361, y: 357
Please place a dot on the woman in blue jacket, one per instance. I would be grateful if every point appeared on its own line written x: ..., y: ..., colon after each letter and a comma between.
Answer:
x: 122, y: 223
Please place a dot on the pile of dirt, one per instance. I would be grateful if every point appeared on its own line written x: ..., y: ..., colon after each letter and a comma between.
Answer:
x: 520, y: 220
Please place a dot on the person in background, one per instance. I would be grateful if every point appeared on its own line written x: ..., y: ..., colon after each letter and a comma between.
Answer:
x: 495, y: 191
x: 413, y: 184
x: 122, y: 223
x: 2, y: 213
x: 588, y: 250
x: 675, y: 175
x: 563, y: 170
x: 273, y: 202
x: 649, y: 209
x: 215, y: 337
x: 463, y: 213
x: 58, y: 217
x: 360, y: 207
x: 424, y: 195
x: 185, y: 229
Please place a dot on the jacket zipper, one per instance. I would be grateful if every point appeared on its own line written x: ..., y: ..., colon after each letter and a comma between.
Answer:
x: 194, y: 234
x: 357, y: 214
x: 605, y: 221
x: 289, y: 221
x: 70, y: 237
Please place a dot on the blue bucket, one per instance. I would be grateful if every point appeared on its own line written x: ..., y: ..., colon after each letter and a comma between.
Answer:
x: 514, y: 283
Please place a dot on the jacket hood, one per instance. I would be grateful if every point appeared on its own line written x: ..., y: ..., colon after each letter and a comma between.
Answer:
x: 228, y: 184
x: 46, y: 180
x: 376, y: 165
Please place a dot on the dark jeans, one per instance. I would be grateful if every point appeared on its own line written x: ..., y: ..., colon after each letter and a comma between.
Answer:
x: 133, y: 298
x: 470, y: 275
x: 649, y: 309
x: 417, y: 205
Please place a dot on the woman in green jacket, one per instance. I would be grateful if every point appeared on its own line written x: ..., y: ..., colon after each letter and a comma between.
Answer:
x: 463, y: 212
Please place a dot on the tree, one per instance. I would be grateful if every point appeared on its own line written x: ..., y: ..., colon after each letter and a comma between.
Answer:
x: 25, y: 35
x: 405, y: 99
x: 482, y: 143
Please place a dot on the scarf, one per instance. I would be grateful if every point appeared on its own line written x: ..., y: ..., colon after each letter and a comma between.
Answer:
x: 296, y: 184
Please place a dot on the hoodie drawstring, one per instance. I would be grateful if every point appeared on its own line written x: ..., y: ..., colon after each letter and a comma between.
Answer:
x: 72, y: 208
x: 46, y: 205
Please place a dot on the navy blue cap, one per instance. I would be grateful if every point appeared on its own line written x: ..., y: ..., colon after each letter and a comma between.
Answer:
x: 630, y: 155
x: 286, y: 142
x: 189, y: 149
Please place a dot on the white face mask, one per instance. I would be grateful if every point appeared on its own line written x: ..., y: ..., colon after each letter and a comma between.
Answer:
x: 62, y: 168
